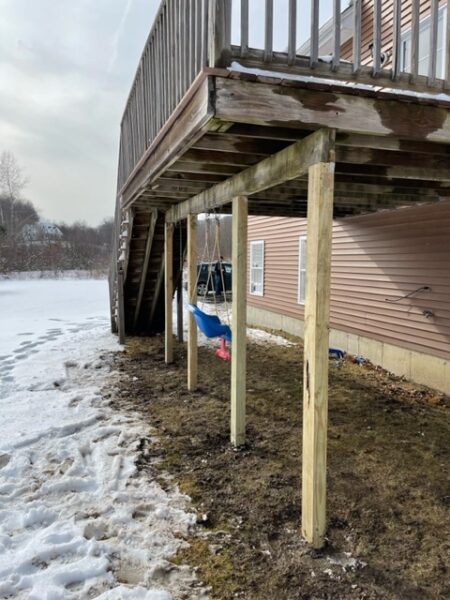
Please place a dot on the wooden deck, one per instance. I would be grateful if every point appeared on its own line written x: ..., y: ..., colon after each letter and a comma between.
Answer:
x: 210, y: 125
x: 201, y: 110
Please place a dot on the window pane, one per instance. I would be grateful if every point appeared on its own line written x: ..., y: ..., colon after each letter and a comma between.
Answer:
x: 302, y: 293
x: 302, y: 253
x: 257, y: 252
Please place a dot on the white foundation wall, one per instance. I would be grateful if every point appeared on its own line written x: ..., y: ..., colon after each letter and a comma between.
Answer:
x: 420, y: 368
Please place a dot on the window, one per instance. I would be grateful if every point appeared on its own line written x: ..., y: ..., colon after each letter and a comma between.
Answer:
x: 302, y: 269
x: 257, y: 268
x: 424, y: 46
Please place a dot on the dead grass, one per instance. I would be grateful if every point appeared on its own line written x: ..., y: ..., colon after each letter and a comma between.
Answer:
x: 388, y: 482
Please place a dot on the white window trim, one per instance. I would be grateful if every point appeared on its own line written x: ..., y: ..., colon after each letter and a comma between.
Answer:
x: 299, y: 290
x: 406, y: 36
x: 252, y: 244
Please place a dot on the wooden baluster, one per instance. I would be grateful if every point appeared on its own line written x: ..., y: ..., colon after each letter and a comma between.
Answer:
x: 168, y: 50
x: 186, y: 45
x: 292, y: 38
x: 337, y: 35
x: 447, y: 49
x: 219, y: 33
x: 314, y: 50
x: 192, y: 41
x: 205, y: 32
x: 198, y: 36
x: 397, y: 41
x: 357, y: 16
x: 244, y: 28
x: 376, y: 46
x: 268, y: 35
x: 433, y: 42
x: 415, y: 23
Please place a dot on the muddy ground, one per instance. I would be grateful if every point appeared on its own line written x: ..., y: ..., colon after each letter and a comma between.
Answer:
x: 388, y: 476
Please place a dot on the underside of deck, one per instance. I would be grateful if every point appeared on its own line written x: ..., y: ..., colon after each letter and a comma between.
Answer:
x: 262, y: 145
x: 391, y: 149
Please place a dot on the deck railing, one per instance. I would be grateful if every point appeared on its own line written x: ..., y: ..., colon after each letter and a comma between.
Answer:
x: 175, y: 52
x: 390, y: 43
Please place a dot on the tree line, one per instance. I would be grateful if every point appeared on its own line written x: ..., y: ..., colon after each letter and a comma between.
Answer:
x: 29, y: 244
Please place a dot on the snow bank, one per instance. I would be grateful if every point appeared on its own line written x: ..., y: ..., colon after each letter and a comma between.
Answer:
x: 76, y: 518
x: 69, y: 274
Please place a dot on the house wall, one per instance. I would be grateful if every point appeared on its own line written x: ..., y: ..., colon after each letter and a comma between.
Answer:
x: 376, y: 258
x: 386, y: 26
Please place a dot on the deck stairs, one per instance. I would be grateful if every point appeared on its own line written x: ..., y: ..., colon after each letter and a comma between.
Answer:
x: 140, y: 256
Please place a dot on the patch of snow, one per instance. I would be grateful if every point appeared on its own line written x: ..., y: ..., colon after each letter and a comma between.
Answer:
x: 68, y: 274
x: 346, y: 561
x: 77, y: 519
x: 236, y: 66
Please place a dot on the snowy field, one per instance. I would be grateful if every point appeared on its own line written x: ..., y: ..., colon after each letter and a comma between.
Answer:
x: 76, y: 518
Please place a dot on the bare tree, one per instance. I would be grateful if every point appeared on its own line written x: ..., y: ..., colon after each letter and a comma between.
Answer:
x: 12, y: 182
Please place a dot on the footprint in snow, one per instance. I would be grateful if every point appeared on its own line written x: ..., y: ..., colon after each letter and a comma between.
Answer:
x: 4, y: 460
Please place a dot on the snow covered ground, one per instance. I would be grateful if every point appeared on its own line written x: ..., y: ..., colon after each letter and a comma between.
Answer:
x: 76, y: 518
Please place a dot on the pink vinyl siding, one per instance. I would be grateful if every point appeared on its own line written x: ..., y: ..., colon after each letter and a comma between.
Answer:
x: 376, y: 258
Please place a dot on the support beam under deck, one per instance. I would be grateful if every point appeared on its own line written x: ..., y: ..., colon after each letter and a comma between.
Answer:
x: 287, y: 164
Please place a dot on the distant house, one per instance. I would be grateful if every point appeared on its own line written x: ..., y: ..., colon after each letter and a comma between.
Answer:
x: 42, y: 232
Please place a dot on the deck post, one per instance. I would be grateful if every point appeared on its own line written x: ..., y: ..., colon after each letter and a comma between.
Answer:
x: 219, y: 27
x: 120, y: 305
x: 180, y: 309
x: 239, y: 320
x: 168, y: 291
x: 315, y: 381
x: 192, y: 296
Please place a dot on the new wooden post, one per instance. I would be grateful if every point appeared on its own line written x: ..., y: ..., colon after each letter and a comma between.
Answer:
x: 120, y: 304
x: 192, y: 296
x: 315, y: 383
x: 168, y: 291
x: 239, y: 320
x: 180, y: 308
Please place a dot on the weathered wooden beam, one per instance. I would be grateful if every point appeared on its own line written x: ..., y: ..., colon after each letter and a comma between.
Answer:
x: 414, y: 173
x: 180, y: 333
x: 344, y: 74
x: 217, y: 157
x: 257, y: 103
x: 168, y: 291
x: 192, y: 296
x: 371, y: 156
x: 148, y: 248
x: 287, y: 164
x: 120, y: 305
x: 315, y: 381
x: 219, y: 33
x: 156, y: 292
x: 239, y: 320
x: 391, y: 143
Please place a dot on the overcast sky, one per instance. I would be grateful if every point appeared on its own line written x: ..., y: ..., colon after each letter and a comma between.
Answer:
x: 65, y: 70
x: 66, y: 67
